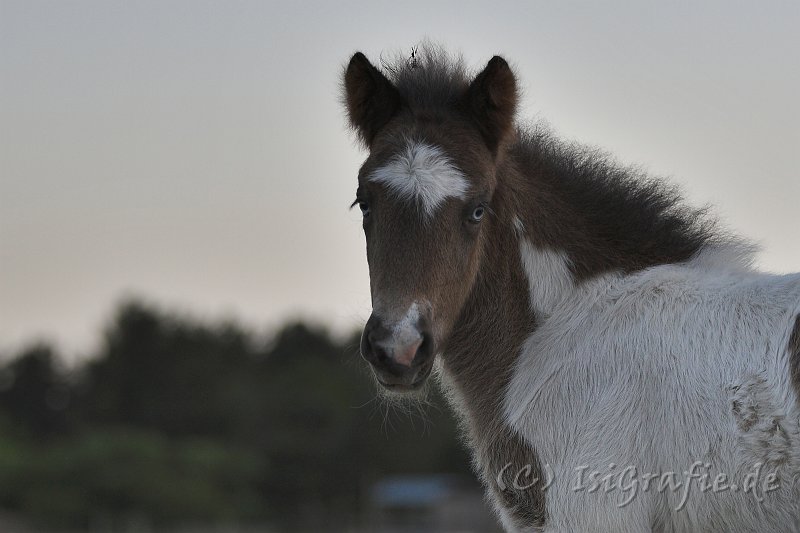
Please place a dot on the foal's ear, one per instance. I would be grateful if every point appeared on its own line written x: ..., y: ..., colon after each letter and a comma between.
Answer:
x: 371, y: 99
x: 492, y: 101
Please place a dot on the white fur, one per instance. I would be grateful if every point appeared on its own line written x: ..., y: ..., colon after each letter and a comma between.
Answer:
x: 424, y: 173
x: 643, y: 370
x: 549, y: 276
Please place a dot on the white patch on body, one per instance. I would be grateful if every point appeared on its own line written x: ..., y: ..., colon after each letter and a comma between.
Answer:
x: 656, y: 370
x: 424, y: 173
x: 550, y: 279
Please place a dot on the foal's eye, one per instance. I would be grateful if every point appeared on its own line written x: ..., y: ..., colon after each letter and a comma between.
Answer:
x: 477, y: 213
x: 364, y: 206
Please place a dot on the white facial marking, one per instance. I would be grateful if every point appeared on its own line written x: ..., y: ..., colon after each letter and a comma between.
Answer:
x: 402, y: 344
x: 424, y: 173
x: 549, y: 277
x: 405, y: 331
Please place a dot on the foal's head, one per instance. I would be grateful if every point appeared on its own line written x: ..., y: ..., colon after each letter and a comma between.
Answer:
x: 426, y: 193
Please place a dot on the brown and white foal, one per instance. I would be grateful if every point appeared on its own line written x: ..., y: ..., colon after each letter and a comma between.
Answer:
x: 616, y: 364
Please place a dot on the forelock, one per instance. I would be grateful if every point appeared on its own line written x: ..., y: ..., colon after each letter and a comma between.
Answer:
x: 429, y: 77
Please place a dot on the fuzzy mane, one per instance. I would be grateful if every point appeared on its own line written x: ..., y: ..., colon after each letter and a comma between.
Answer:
x: 628, y: 219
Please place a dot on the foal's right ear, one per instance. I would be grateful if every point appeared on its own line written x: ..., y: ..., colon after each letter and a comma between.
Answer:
x: 371, y: 99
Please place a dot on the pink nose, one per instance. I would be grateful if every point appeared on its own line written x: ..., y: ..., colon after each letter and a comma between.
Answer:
x: 405, y: 354
x: 397, y: 352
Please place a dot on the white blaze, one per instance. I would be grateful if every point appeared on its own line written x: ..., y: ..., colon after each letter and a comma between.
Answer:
x: 424, y: 173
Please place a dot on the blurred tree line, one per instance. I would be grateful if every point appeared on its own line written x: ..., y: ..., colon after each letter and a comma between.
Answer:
x: 178, y: 422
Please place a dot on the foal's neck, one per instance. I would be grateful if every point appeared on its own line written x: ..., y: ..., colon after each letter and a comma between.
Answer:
x: 561, y: 217
x: 478, y: 362
x: 496, y: 319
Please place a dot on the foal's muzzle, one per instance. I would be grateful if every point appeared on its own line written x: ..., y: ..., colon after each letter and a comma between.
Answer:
x: 401, y: 354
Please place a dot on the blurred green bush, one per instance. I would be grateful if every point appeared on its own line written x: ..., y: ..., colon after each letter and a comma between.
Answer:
x: 177, y: 422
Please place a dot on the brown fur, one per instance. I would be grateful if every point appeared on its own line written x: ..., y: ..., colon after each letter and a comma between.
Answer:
x: 603, y: 215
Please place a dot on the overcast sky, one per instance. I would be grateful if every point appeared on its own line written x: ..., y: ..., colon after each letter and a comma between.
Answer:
x: 194, y: 153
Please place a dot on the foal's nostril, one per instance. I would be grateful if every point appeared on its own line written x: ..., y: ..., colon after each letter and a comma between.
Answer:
x: 368, y: 344
x: 380, y: 353
x: 424, y: 350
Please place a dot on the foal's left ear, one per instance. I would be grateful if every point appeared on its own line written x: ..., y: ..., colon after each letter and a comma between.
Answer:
x: 371, y: 99
x: 492, y: 101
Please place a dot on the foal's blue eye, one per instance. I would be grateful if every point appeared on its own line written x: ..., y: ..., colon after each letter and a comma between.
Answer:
x: 477, y: 213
